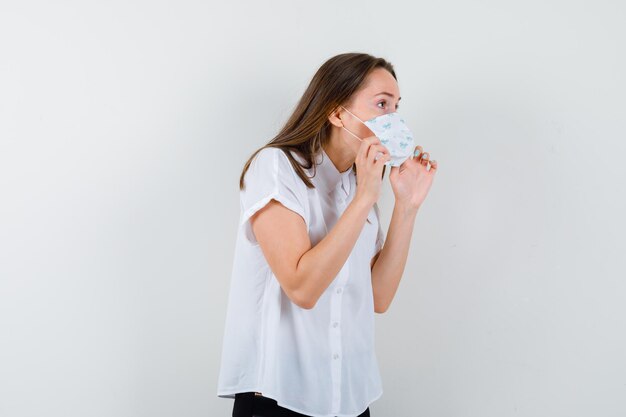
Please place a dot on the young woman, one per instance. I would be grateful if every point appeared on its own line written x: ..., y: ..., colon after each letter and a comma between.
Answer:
x: 310, y: 269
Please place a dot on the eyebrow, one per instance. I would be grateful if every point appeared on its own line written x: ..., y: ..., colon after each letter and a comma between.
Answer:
x: 388, y: 94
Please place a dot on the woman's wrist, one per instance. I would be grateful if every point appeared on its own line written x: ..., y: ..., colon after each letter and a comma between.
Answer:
x: 405, y: 210
x: 363, y: 204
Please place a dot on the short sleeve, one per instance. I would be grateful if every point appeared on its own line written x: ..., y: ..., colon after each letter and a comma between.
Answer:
x: 270, y: 176
x: 380, y: 237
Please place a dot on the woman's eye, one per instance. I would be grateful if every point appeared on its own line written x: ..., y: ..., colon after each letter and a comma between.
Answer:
x: 384, y: 102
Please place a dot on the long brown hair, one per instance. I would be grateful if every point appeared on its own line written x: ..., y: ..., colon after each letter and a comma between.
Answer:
x: 308, y: 128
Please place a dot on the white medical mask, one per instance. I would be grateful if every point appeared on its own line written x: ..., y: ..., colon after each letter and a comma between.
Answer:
x: 393, y: 134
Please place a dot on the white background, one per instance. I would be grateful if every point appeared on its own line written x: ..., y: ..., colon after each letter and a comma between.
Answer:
x: 124, y: 126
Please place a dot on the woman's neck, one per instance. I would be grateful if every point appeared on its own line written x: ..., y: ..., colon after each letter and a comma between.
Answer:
x: 339, y: 157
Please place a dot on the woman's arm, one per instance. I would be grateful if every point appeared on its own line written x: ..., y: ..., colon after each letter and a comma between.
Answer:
x: 304, y: 272
x: 388, y: 264
x: 411, y: 183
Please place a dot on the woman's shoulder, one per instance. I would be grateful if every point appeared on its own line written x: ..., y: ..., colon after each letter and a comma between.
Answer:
x: 274, y: 160
x: 273, y: 154
x: 271, y: 176
x: 271, y: 168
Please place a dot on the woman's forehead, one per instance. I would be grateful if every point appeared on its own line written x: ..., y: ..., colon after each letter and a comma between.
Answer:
x: 380, y: 82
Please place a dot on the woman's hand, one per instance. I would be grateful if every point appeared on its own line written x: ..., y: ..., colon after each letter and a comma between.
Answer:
x: 370, y: 160
x: 411, y: 181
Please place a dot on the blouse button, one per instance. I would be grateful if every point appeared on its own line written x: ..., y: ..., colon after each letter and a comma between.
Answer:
x: 339, y: 290
x: 335, y: 324
x: 335, y: 356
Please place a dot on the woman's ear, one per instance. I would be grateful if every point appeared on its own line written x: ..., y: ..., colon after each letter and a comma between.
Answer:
x: 335, y: 117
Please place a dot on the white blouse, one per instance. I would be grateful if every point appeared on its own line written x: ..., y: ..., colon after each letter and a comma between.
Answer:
x: 320, y: 362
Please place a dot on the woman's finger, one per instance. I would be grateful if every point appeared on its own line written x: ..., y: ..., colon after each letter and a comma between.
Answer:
x: 383, y: 159
x: 377, y: 151
x: 362, y: 152
x: 370, y: 141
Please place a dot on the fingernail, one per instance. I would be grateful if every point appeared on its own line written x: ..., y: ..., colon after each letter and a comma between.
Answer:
x: 417, y: 152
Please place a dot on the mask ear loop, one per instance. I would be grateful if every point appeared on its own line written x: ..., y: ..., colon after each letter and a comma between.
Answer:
x: 344, y: 128
x: 353, y: 133
x: 353, y: 114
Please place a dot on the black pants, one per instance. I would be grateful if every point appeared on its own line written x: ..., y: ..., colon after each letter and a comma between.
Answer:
x: 247, y: 404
